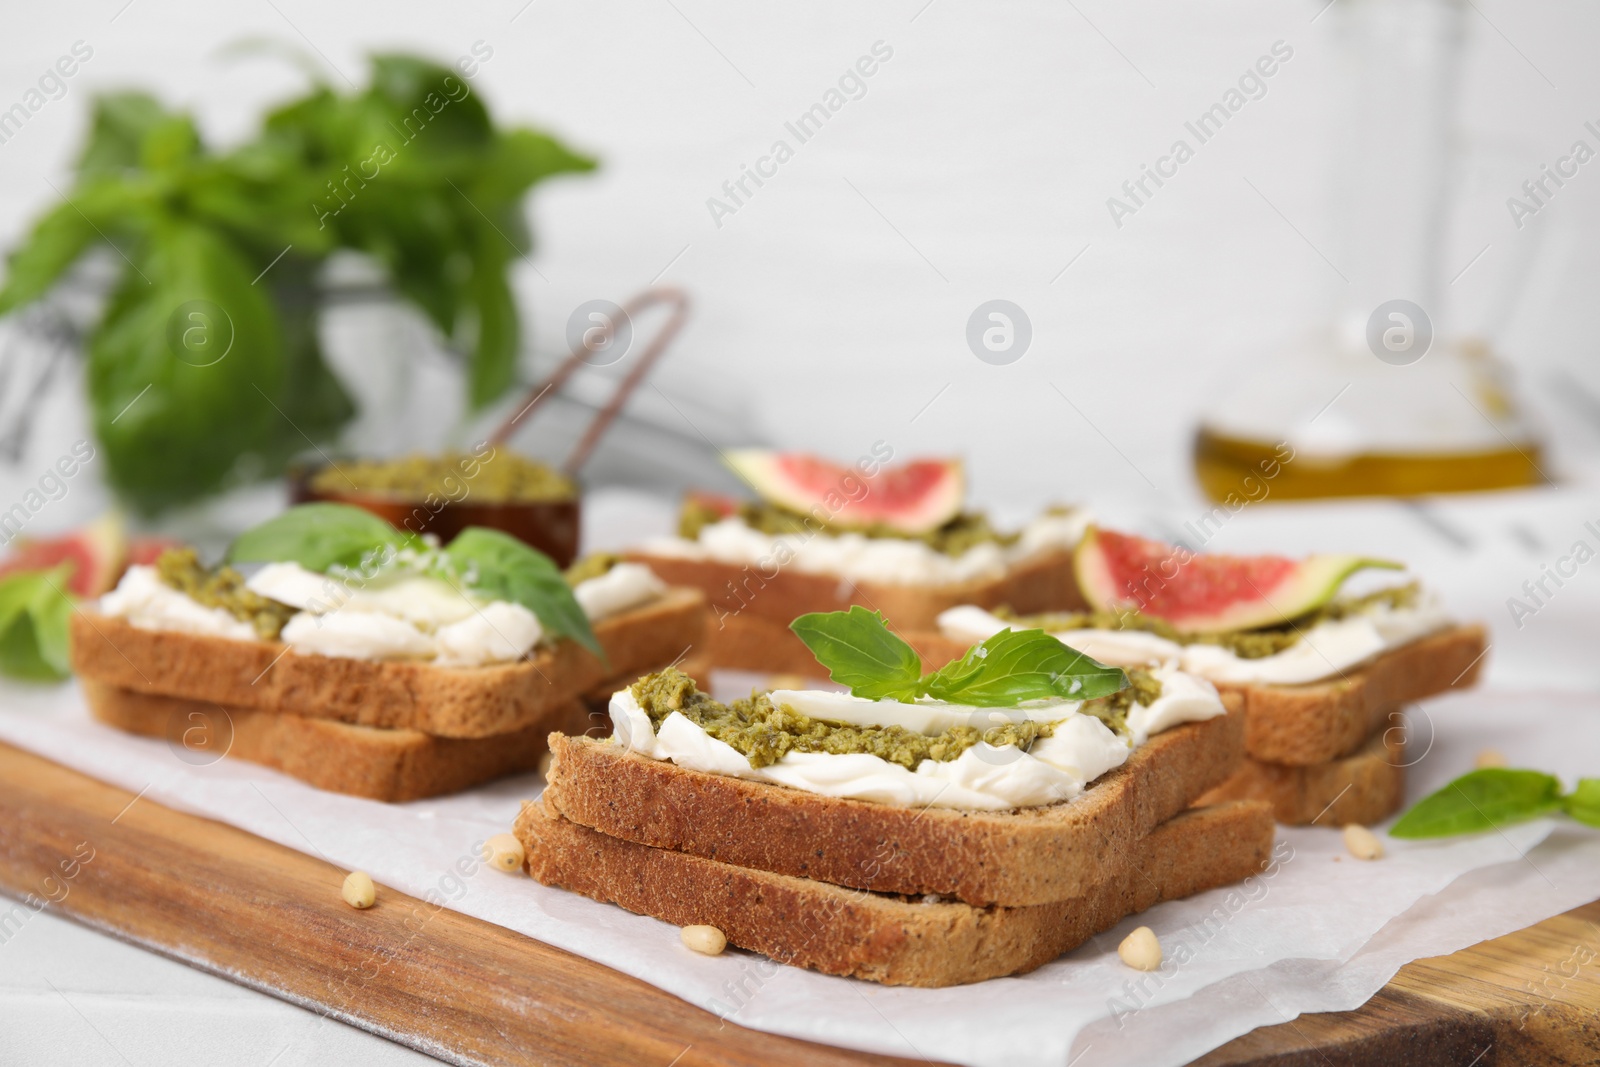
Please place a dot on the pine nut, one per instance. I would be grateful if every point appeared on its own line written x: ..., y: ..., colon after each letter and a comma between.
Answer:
x: 1141, y: 950
x: 359, y: 892
x: 504, y: 852
x: 707, y: 940
x: 1362, y: 843
x: 1490, y: 757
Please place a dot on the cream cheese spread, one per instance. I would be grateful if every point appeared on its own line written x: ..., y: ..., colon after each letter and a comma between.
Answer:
x: 984, y: 777
x: 147, y: 602
x: 1329, y: 648
x: 890, y: 560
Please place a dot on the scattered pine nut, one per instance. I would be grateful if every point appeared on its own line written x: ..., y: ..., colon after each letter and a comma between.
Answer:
x: 1362, y: 843
x: 1489, y: 757
x: 504, y: 852
x: 785, y: 681
x: 707, y: 940
x: 359, y: 892
x: 1141, y: 950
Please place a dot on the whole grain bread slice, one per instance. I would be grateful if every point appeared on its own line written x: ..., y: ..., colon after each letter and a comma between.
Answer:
x: 362, y: 761
x: 1364, y: 787
x: 884, y: 938
x: 1026, y: 856
x: 752, y: 605
x: 459, y: 702
x: 1306, y: 725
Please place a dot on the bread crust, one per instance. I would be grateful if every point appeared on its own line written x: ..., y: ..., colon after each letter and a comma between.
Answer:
x: 362, y: 761
x: 1015, y: 858
x: 892, y: 939
x: 751, y: 607
x: 1364, y: 787
x: 1305, y: 725
x: 462, y: 702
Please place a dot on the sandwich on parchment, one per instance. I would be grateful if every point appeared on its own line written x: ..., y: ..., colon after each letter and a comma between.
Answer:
x: 367, y: 660
x: 1321, y: 676
x: 929, y: 830
x: 821, y: 537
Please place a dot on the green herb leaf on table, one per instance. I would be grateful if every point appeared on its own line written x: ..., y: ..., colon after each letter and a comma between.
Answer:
x: 505, y: 568
x: 34, y: 610
x: 1018, y: 665
x: 318, y: 536
x: 1583, y: 803
x: 860, y: 652
x: 1481, y: 800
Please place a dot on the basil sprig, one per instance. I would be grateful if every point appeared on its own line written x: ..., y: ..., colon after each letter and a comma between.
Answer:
x: 323, y: 536
x: 33, y: 624
x: 1013, y: 666
x: 505, y: 568
x: 319, y: 536
x: 1497, y: 796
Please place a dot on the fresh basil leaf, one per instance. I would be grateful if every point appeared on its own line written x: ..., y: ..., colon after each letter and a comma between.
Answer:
x: 859, y: 651
x: 317, y: 536
x: 493, y: 366
x: 185, y: 368
x: 1583, y: 803
x: 118, y: 127
x: 1018, y: 665
x: 505, y: 568
x: 1481, y: 800
x: 34, y: 611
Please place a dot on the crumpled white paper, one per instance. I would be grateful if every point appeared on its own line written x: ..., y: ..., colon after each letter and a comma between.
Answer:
x: 1318, y: 931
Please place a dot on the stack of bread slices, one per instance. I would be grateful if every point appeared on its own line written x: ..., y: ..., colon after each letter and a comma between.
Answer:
x: 903, y: 894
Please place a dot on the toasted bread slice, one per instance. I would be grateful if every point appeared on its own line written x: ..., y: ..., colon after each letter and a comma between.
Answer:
x: 1365, y: 787
x: 884, y: 938
x: 443, y: 701
x: 751, y: 610
x: 363, y: 761
x: 1027, y: 856
x: 1303, y: 725
x: 1306, y: 725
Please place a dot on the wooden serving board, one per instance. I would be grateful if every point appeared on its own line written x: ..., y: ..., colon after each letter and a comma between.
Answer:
x: 468, y: 992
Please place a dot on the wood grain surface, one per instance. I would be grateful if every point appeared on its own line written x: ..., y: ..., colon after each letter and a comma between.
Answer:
x: 469, y: 992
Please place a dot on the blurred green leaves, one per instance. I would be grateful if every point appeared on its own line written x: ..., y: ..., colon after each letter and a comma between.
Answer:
x: 205, y: 368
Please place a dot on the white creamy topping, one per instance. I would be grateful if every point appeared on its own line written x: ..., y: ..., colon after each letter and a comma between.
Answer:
x: 1326, y: 649
x: 624, y: 586
x: 891, y: 560
x: 500, y: 631
x: 396, y: 616
x: 147, y: 602
x: 424, y: 601
x: 985, y: 777
x: 356, y: 635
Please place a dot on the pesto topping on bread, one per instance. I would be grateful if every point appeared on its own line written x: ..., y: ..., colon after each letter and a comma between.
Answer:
x: 594, y: 565
x: 222, y: 587
x: 955, y: 537
x: 764, y: 732
x: 1246, y: 644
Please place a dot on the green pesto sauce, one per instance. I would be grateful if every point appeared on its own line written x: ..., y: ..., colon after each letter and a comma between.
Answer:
x: 1246, y: 644
x: 502, y: 478
x: 222, y: 588
x: 965, y: 531
x: 764, y: 732
x: 594, y: 565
